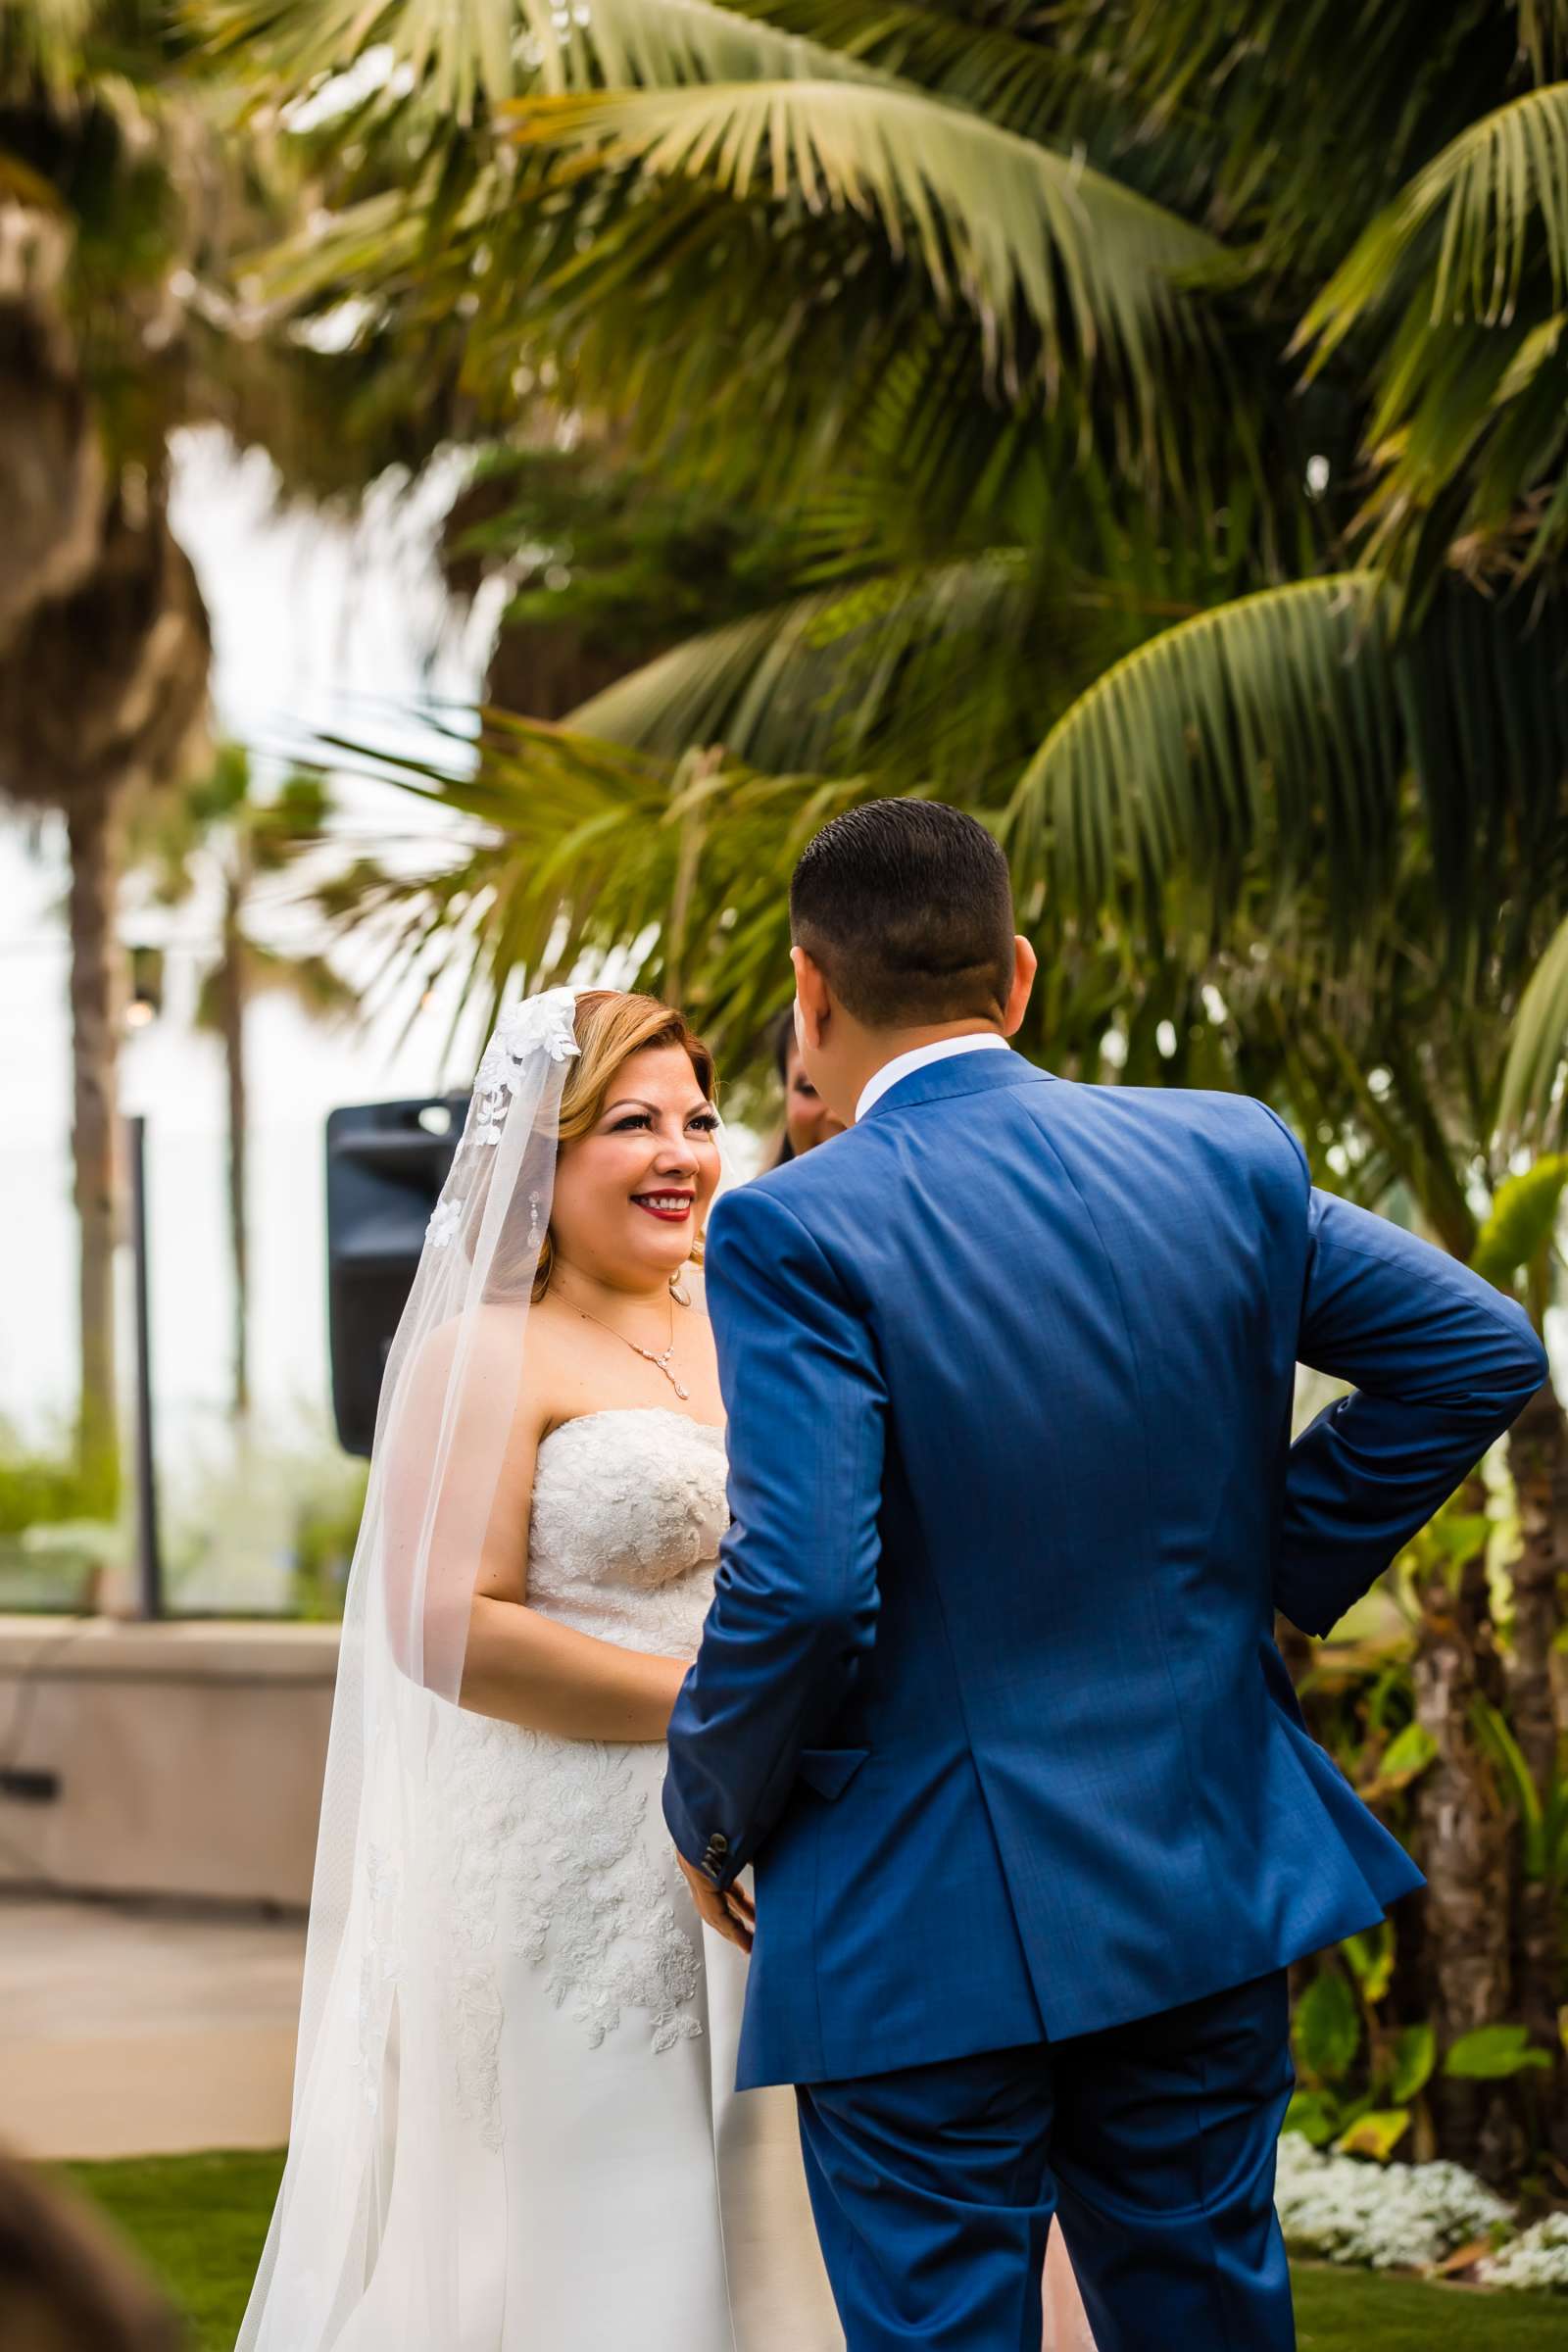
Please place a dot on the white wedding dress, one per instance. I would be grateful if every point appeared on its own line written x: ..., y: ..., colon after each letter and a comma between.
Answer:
x: 613, y: 2192
x: 618, y: 2193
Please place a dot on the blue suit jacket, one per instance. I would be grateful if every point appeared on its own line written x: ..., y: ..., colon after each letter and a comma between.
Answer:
x: 989, y: 1690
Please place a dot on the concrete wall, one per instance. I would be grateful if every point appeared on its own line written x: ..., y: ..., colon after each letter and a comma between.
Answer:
x: 189, y: 1757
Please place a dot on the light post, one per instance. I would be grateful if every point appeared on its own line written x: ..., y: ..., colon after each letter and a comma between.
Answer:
x: 146, y: 1002
x: 149, y: 1553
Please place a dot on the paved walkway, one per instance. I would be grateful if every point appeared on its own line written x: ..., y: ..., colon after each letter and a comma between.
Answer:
x: 134, y: 2032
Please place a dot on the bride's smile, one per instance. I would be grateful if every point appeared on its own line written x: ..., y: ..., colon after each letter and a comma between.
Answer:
x: 672, y: 1208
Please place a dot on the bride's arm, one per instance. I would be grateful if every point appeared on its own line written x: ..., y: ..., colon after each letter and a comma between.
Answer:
x: 517, y: 1665
x: 524, y: 1668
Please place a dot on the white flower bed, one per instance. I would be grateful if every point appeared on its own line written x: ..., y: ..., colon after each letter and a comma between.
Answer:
x: 1390, y: 2216
x: 1537, y: 2260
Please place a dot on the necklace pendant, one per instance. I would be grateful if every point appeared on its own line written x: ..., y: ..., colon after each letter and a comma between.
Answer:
x: 659, y: 1361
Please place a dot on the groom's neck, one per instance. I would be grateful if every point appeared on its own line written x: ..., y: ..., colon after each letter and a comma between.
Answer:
x: 875, y: 1049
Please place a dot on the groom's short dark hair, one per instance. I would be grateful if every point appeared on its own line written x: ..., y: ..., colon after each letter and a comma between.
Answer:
x: 906, y: 907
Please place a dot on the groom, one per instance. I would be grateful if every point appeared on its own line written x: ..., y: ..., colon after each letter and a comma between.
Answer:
x: 989, y: 1692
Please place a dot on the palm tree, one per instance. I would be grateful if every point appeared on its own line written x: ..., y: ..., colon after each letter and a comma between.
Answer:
x: 103, y: 637
x: 926, y: 332
x: 1002, y: 320
x: 124, y: 185
x: 217, y: 833
x: 102, y: 690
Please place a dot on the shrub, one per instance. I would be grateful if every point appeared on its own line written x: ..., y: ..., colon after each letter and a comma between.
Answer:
x: 1537, y: 2260
x: 1387, y: 2217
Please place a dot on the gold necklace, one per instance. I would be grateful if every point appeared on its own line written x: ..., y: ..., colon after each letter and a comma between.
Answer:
x: 660, y: 1363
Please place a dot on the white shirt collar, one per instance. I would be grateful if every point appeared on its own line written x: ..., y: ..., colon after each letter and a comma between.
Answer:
x: 921, y: 1058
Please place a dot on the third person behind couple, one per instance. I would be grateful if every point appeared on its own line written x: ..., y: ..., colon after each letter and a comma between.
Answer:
x: 807, y: 1120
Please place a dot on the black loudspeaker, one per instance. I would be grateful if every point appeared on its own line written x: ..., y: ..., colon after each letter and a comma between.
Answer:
x: 385, y: 1165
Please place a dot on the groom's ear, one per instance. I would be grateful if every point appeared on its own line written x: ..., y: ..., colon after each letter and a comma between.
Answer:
x: 811, y: 1000
x: 1025, y: 965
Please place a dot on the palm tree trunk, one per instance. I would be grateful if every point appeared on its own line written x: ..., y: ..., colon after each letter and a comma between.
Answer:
x: 1538, y: 1453
x: 1464, y: 1848
x: 232, y: 999
x: 95, y: 1010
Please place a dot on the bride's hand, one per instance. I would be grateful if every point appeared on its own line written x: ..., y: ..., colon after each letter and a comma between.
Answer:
x: 732, y: 1914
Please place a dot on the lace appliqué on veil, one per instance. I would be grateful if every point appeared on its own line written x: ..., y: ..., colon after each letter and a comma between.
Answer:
x: 542, y: 1024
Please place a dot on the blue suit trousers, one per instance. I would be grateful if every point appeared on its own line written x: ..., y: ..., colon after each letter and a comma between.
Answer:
x: 1154, y: 2143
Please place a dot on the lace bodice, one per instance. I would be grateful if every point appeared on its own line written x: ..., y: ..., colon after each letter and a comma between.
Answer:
x: 628, y: 1509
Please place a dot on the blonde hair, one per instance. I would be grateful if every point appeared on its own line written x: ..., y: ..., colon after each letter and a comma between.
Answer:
x: 610, y: 1027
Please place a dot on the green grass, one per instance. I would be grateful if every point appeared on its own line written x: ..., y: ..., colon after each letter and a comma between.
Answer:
x: 1357, y: 2311
x: 198, y: 2221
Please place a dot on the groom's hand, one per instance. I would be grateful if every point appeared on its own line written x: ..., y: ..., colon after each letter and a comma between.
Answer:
x: 730, y: 1914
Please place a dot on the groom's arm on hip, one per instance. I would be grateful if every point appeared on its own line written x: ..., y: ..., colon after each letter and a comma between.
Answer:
x: 1443, y: 1363
x: 795, y: 1599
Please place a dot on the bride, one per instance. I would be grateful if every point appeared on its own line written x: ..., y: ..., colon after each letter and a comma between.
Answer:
x: 514, y: 2126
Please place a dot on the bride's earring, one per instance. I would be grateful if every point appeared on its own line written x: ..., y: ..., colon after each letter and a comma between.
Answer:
x: 678, y: 1291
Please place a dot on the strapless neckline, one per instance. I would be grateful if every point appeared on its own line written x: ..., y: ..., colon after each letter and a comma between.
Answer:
x: 633, y: 1412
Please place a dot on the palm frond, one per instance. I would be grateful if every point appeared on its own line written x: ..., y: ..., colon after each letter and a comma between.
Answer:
x: 1522, y: 1221
x: 1532, y: 1096
x: 942, y: 674
x: 586, y: 860
x: 1349, y: 1070
x: 696, y: 333
x: 1008, y: 73
x: 1277, y: 733
x: 837, y: 676
x: 1464, y: 279
x: 581, y: 852
x: 47, y: 39
x: 1469, y: 223
x: 1317, y: 110
x: 725, y: 687
x: 461, y: 56
x: 680, y: 313
x: 1015, y: 231
x: 1543, y: 34
x: 1218, y: 738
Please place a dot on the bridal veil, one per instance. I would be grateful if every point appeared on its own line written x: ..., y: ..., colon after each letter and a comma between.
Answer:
x: 374, y: 2106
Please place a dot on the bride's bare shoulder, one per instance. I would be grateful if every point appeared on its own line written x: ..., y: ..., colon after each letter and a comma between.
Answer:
x: 475, y: 1355
x: 488, y: 1337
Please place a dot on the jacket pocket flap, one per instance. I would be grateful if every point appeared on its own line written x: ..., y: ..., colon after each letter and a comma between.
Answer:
x: 830, y: 1770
